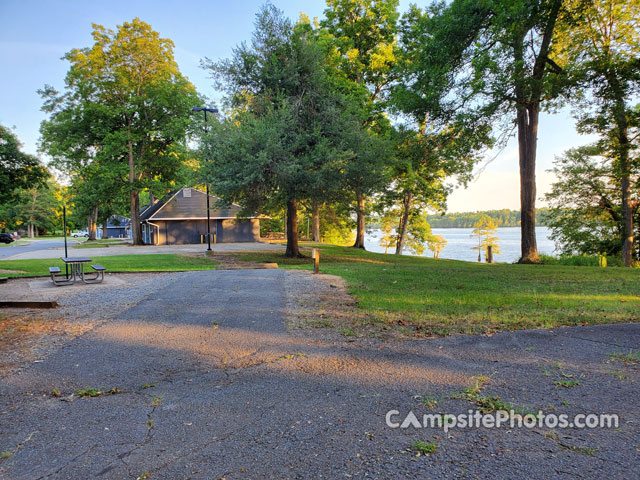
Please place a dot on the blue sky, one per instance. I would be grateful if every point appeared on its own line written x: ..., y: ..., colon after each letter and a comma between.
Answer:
x: 35, y: 34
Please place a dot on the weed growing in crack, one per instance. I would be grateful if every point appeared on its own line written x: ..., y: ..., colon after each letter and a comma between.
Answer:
x: 566, y: 383
x: 424, y: 448
x: 95, y: 392
x: 489, y: 404
x: 626, y: 358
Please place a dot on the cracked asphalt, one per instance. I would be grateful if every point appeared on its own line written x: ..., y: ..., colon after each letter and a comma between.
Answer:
x: 212, y: 385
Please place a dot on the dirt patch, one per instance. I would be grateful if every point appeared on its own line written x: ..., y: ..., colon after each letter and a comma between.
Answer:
x: 322, y: 303
x: 11, y: 271
x: 26, y: 336
x: 231, y: 262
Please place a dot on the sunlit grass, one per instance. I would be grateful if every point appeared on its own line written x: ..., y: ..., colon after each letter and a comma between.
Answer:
x: 116, y: 263
x: 448, y: 296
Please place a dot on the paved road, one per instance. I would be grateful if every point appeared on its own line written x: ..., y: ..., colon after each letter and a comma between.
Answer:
x: 213, y: 386
x: 32, y: 248
x: 19, y: 254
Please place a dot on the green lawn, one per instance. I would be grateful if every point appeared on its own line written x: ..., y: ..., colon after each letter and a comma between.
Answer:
x: 117, y: 263
x: 446, y: 296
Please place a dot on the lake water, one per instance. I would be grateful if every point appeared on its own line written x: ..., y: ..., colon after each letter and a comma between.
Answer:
x: 460, y: 243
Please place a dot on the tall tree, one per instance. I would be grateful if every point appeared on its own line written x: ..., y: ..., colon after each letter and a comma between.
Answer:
x: 364, y: 33
x: 36, y: 207
x: 586, y: 214
x: 289, y: 128
x: 18, y: 170
x: 126, y: 105
x: 496, y: 60
x: 602, y: 49
x: 424, y: 161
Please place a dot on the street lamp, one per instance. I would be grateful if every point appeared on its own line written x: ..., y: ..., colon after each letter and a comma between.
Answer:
x: 205, y: 110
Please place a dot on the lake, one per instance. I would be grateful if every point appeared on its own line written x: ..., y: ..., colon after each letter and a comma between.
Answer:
x: 460, y: 243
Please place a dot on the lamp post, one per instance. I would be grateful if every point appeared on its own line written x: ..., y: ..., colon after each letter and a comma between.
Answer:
x: 64, y: 229
x: 205, y: 110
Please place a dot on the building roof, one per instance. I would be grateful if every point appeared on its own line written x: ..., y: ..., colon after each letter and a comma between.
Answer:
x: 188, y: 204
x: 118, y: 221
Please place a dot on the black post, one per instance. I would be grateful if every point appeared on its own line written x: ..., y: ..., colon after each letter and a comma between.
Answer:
x: 208, y: 221
x: 64, y: 227
x: 205, y: 110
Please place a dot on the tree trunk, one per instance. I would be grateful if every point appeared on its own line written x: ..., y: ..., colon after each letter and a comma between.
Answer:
x: 625, y: 180
x: 315, y: 220
x: 527, y: 141
x: 105, y: 232
x: 528, y: 112
x: 404, y: 223
x: 136, y: 229
x: 359, y: 243
x: 292, y: 229
x: 92, y: 220
x: 134, y: 197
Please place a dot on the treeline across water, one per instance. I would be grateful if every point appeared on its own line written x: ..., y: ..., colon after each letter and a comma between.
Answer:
x: 504, y: 218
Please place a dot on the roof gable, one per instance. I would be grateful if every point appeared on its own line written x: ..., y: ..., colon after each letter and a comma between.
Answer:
x: 192, y: 205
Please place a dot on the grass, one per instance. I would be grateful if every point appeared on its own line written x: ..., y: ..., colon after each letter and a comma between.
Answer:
x: 566, y: 383
x: 424, y: 448
x: 116, y: 263
x: 627, y: 358
x: 96, y: 392
x: 440, y: 297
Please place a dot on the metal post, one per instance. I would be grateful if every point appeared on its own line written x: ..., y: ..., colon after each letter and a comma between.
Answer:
x: 64, y: 227
x: 208, y: 219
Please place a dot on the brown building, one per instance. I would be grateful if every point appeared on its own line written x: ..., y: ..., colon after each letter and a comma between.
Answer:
x: 181, y: 217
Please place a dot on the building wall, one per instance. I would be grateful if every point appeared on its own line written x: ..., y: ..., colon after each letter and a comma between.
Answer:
x: 180, y: 232
x: 117, y: 232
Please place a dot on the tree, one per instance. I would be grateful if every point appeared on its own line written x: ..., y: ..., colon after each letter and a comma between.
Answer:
x: 418, y: 231
x: 496, y: 59
x: 18, y: 170
x: 125, y: 106
x: 602, y: 49
x: 387, y: 223
x: 364, y: 36
x: 37, y: 207
x: 424, y: 161
x: 586, y: 214
x: 486, y: 230
x: 290, y: 128
x: 436, y: 244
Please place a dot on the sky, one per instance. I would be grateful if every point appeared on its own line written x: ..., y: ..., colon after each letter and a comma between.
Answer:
x: 34, y: 35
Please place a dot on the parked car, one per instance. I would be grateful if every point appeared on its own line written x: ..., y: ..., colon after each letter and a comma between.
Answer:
x: 6, y: 238
x: 82, y: 233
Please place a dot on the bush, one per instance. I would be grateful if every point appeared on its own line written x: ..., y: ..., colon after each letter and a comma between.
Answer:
x: 583, y: 260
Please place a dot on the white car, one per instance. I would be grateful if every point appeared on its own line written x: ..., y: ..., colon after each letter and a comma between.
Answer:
x: 82, y: 233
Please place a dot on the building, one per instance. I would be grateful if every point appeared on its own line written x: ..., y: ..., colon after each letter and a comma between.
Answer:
x: 181, y: 217
x: 117, y: 227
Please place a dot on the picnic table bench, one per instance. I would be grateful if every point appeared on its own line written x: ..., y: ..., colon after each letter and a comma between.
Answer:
x: 77, y: 271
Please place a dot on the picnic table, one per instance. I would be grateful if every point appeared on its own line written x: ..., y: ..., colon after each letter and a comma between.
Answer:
x: 76, y: 264
x: 77, y: 271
